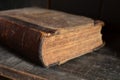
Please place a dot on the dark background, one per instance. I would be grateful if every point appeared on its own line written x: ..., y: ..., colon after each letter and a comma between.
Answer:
x: 12, y: 4
x: 106, y: 10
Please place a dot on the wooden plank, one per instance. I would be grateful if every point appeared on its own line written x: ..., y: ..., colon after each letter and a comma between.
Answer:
x: 13, y: 67
x: 17, y: 75
x: 4, y: 78
x: 97, y: 65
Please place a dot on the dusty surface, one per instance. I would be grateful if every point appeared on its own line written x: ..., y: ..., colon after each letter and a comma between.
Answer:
x: 98, y: 65
x: 49, y: 18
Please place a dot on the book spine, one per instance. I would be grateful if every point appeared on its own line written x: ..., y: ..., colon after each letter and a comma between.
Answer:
x: 20, y: 37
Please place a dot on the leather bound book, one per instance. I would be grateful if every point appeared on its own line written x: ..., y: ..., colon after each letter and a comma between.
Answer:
x: 49, y: 36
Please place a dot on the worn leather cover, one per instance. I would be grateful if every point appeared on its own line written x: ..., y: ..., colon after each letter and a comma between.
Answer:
x: 25, y: 29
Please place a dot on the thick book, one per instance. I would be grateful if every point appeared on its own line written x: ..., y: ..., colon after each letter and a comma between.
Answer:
x: 49, y: 36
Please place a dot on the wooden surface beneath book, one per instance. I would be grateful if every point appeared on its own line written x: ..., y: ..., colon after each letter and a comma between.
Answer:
x: 99, y: 65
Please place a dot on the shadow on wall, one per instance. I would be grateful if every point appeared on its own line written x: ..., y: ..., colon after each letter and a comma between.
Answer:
x: 90, y: 8
x: 12, y: 4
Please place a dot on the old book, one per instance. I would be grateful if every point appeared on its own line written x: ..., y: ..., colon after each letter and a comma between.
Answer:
x: 48, y: 36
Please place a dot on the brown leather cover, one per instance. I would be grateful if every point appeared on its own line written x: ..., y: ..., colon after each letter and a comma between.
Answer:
x: 25, y: 29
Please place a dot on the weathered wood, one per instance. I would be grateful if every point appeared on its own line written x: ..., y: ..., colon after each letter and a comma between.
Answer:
x: 48, y: 36
x: 16, y: 68
x: 17, y: 75
x: 4, y: 78
x: 97, y: 65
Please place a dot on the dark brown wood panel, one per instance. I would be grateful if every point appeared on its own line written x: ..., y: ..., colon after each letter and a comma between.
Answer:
x: 13, y: 4
x: 90, y: 8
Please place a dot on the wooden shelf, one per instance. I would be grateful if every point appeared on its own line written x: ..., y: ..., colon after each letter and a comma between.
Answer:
x: 96, y: 65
